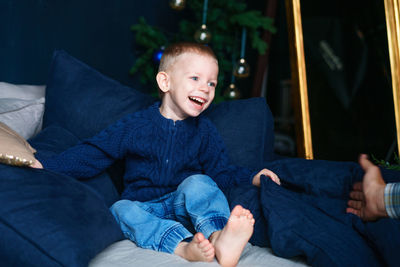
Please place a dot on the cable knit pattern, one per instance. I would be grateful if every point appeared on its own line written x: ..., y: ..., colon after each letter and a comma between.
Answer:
x: 159, y: 154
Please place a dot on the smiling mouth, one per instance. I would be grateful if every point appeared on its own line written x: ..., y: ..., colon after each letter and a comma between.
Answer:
x: 197, y: 100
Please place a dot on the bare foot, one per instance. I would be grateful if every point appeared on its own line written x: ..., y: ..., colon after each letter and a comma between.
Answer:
x: 199, y: 249
x: 230, y: 241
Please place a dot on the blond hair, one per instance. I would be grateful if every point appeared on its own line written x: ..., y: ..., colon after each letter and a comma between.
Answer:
x: 173, y: 51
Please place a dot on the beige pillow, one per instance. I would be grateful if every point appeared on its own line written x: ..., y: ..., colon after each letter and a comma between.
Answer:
x: 14, y: 149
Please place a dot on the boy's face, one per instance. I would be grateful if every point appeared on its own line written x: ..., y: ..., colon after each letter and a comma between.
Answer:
x: 188, y: 86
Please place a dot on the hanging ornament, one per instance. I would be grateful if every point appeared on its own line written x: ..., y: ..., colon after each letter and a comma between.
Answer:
x: 158, y: 54
x: 242, y: 69
x: 203, y: 35
x: 232, y: 92
x: 177, y: 4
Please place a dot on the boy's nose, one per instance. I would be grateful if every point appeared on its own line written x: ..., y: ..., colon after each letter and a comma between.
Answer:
x: 205, y: 87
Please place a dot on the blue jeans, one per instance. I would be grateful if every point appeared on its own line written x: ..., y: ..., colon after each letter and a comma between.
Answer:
x: 198, y: 205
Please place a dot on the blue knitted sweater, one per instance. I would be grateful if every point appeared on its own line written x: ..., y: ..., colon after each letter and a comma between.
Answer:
x: 158, y: 152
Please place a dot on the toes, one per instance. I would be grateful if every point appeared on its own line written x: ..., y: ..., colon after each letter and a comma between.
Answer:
x: 199, y: 237
x: 209, y: 250
x: 237, y: 210
x: 205, y: 244
x: 246, y: 213
x: 240, y: 212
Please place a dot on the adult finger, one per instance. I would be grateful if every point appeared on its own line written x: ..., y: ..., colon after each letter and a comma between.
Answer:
x: 358, y: 186
x: 357, y: 195
x: 353, y: 211
x: 365, y: 163
x: 355, y: 204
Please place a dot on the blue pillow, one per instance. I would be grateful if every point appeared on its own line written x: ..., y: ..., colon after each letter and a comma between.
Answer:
x: 246, y: 127
x: 84, y: 101
x: 48, y: 219
x: 53, y: 140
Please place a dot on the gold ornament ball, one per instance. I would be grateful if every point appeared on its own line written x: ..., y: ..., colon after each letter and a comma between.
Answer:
x: 232, y: 92
x: 202, y: 35
x: 177, y: 4
x: 242, y: 69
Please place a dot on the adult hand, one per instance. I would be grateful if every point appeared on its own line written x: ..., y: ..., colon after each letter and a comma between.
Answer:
x: 367, y: 197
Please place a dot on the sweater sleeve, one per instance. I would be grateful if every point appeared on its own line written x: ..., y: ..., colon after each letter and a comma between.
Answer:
x: 94, y: 155
x: 215, y: 160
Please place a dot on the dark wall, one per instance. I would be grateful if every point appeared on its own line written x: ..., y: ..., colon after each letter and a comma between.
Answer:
x: 96, y: 32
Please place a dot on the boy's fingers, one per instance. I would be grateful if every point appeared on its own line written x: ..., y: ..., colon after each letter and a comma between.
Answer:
x: 275, y: 178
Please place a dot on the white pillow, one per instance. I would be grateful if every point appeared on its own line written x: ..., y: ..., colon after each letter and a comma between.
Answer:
x: 22, y: 107
x: 21, y: 91
x: 23, y: 116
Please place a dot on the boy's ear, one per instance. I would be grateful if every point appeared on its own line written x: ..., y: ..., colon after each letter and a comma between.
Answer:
x: 163, y: 81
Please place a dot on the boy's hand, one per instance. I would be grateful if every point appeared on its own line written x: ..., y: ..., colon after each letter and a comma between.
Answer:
x: 36, y: 164
x: 266, y: 172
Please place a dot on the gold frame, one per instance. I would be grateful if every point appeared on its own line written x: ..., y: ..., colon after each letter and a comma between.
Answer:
x: 393, y: 32
x: 299, y: 79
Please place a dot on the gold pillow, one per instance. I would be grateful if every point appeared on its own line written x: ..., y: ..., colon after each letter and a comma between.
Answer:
x: 14, y: 149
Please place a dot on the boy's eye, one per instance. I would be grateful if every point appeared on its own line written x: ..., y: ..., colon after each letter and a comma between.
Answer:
x: 212, y: 84
x: 194, y: 78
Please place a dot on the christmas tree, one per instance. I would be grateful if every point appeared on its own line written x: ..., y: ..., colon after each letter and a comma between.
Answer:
x: 225, y: 25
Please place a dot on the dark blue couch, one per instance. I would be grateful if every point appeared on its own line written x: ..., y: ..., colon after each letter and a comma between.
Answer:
x: 48, y: 219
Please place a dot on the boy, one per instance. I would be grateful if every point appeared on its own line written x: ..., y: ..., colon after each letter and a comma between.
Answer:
x: 171, y: 152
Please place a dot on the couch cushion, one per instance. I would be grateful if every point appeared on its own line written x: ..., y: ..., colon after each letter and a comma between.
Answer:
x: 53, y: 140
x: 51, y: 219
x: 246, y: 127
x: 84, y: 101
